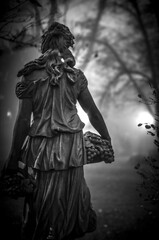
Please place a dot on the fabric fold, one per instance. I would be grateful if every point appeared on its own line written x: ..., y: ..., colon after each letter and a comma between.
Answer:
x: 62, y: 206
x: 60, y: 152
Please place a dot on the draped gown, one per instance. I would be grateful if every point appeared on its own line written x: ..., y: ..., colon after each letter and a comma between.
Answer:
x: 54, y: 154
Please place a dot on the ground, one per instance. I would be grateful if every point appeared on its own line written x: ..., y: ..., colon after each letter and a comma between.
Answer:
x: 121, y: 213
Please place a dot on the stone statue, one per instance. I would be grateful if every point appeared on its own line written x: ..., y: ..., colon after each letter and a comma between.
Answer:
x: 50, y: 149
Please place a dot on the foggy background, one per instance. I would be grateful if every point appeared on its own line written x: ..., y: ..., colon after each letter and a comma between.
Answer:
x: 116, y: 45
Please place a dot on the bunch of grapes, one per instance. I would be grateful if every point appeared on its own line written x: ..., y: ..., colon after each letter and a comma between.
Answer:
x: 10, y: 185
x: 98, y: 149
x: 14, y: 186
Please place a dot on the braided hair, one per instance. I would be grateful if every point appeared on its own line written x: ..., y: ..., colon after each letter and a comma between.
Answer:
x: 57, y: 37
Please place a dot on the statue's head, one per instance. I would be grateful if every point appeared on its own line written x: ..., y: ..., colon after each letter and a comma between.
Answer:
x: 58, y: 36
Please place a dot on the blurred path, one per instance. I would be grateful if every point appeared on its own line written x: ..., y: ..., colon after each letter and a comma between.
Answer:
x: 121, y: 213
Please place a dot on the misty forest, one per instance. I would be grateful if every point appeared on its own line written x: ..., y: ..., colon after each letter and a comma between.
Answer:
x: 117, y: 47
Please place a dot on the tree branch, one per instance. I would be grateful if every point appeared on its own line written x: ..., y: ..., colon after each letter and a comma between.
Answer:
x: 19, y: 42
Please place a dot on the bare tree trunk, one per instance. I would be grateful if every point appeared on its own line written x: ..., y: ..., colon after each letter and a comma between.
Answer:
x: 155, y: 9
x: 66, y: 2
x: 101, y: 8
x: 151, y: 59
x: 53, y: 11
x: 38, y: 26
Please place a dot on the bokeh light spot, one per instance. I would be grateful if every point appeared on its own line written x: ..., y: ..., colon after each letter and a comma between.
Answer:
x: 9, y: 114
x: 144, y: 117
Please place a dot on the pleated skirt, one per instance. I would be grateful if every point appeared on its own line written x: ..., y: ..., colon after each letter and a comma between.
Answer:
x: 60, y: 207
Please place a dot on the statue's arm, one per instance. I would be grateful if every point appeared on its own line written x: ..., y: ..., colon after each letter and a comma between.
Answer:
x: 87, y: 103
x: 20, y: 131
